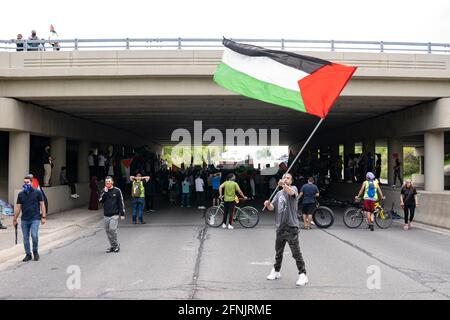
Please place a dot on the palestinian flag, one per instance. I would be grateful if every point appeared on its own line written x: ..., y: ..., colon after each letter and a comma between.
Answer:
x: 299, y: 82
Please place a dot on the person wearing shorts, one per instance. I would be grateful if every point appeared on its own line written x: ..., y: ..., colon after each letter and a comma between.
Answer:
x: 309, y: 192
x: 372, y: 191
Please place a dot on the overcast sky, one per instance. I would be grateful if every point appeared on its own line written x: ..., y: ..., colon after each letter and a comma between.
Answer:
x: 388, y: 20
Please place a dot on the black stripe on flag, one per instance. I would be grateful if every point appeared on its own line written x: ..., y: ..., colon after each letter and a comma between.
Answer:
x: 304, y: 63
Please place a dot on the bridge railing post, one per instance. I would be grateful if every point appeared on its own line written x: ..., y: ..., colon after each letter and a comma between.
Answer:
x: 128, y: 43
x: 179, y: 43
x: 429, y: 47
x: 76, y: 44
x: 282, y: 44
x: 381, y: 46
x: 332, y: 45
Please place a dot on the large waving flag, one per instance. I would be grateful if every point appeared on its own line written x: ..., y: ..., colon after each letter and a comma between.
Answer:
x: 299, y: 82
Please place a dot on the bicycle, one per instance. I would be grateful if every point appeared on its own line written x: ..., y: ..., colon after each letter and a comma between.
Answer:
x: 354, y: 216
x: 248, y: 216
x: 323, y: 216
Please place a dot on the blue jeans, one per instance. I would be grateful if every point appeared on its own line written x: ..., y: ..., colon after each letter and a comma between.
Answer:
x: 185, y: 199
x: 138, y: 208
x: 33, y: 227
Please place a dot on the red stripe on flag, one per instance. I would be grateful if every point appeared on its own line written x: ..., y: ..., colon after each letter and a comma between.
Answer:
x: 320, y: 89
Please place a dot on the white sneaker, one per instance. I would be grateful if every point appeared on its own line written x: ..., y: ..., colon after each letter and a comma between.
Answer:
x: 230, y: 227
x: 273, y: 275
x: 224, y: 226
x: 73, y: 196
x: 302, y: 280
x: 211, y: 220
x: 199, y: 207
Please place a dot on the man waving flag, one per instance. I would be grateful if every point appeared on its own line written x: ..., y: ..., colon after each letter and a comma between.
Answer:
x: 288, y: 79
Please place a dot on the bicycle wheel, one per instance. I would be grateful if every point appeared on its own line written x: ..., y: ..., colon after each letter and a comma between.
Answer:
x: 353, y: 217
x: 323, y: 217
x: 384, y: 221
x: 214, y: 216
x: 248, y: 217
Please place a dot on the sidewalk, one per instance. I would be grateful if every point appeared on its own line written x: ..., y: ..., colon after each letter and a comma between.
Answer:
x: 58, y: 226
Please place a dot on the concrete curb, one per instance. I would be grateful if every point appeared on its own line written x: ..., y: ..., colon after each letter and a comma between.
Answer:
x: 426, y: 227
x: 49, y: 241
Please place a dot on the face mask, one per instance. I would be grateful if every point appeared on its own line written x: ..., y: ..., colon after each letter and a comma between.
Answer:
x: 26, y: 187
x: 109, y: 185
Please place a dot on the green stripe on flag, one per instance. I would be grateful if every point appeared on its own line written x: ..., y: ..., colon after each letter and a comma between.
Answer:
x: 242, y: 83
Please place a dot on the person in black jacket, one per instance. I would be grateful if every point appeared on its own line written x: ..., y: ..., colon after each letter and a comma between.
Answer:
x: 113, y: 207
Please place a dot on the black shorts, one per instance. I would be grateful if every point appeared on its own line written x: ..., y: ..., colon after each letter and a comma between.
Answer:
x: 308, y: 208
x: 215, y: 194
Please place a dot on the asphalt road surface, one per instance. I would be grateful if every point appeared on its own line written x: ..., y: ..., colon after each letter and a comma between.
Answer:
x: 175, y: 256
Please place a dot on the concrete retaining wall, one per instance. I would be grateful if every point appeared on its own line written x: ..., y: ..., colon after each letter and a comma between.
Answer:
x: 434, y: 207
x: 59, y: 197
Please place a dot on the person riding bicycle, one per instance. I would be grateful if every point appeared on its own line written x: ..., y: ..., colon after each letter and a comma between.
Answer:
x: 231, y: 187
x: 371, y: 190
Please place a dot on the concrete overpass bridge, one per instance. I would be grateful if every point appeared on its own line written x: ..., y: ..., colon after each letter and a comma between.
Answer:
x: 136, y: 97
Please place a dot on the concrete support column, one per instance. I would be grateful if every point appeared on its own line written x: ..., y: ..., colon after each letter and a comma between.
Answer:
x: 58, y: 152
x: 434, y: 161
x: 19, y: 161
x: 394, y: 146
x: 83, y: 168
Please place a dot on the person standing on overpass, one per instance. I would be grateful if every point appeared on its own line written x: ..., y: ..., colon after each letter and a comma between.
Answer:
x: 285, y: 203
x: 113, y: 207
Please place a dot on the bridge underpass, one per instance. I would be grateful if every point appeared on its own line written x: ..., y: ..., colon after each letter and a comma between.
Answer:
x: 156, y: 118
x: 140, y: 97
x: 97, y: 98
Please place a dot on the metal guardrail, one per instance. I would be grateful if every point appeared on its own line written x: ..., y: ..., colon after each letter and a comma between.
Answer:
x: 216, y: 43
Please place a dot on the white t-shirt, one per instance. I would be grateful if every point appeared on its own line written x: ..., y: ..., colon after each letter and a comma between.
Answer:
x: 90, y: 161
x: 199, y: 184
x: 101, y: 161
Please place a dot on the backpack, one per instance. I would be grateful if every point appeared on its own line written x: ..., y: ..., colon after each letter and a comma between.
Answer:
x: 136, y: 191
x: 371, y: 190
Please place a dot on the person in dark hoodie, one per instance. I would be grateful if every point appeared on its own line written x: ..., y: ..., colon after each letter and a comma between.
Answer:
x: 113, y: 208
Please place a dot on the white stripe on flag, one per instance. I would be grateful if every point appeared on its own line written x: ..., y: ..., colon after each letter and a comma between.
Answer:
x: 264, y: 69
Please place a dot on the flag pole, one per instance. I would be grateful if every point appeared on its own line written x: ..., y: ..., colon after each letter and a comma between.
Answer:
x: 298, y: 155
